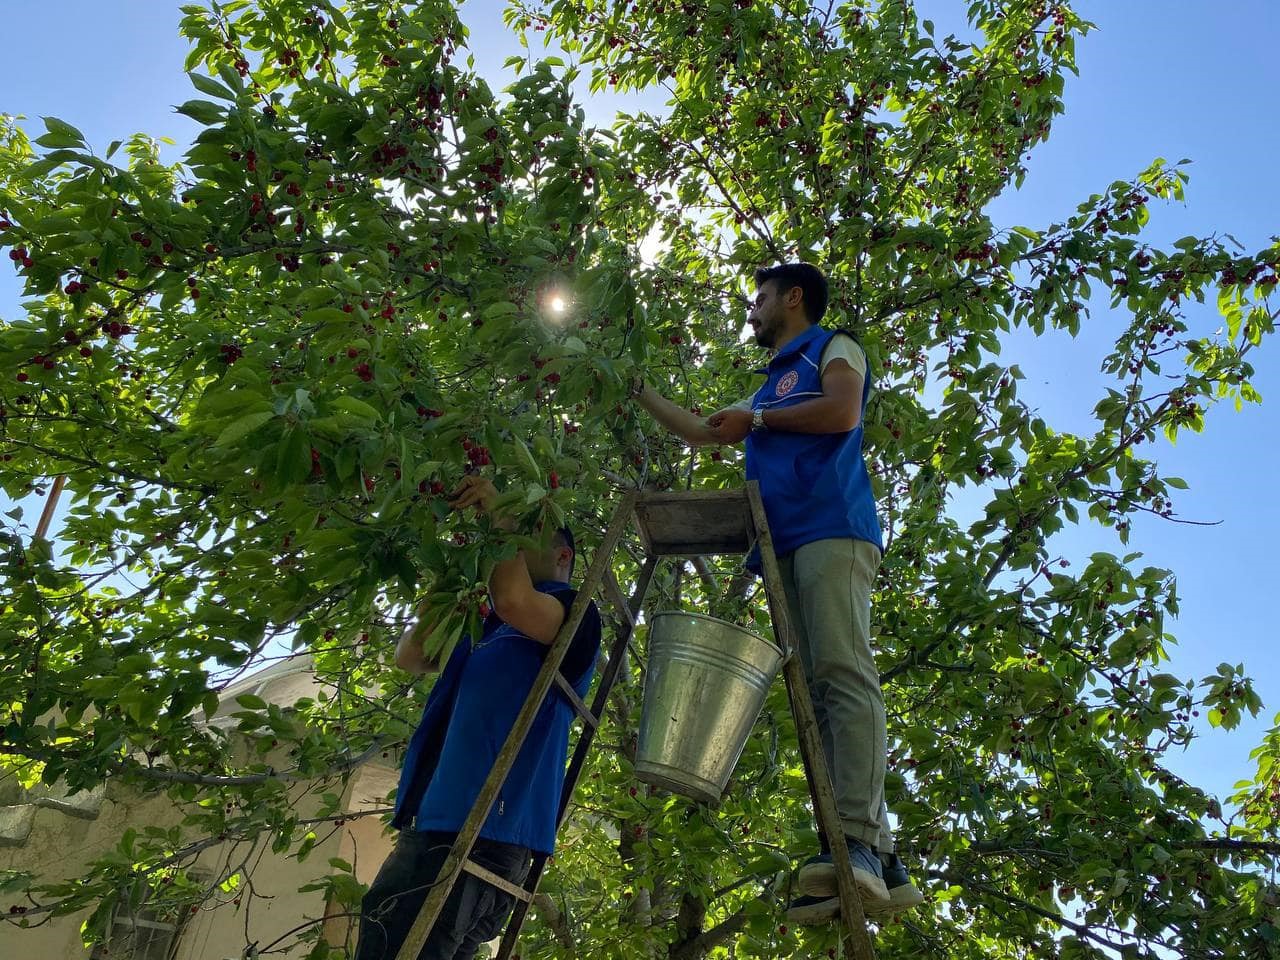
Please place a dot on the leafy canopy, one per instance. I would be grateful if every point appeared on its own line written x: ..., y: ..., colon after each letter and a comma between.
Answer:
x: 261, y: 369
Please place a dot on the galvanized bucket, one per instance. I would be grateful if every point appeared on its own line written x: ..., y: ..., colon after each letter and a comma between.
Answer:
x: 706, y: 682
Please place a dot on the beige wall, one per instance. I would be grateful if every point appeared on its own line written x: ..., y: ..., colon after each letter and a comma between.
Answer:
x: 61, y: 845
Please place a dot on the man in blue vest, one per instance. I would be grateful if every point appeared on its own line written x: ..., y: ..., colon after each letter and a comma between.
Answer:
x: 465, y: 722
x: 803, y: 434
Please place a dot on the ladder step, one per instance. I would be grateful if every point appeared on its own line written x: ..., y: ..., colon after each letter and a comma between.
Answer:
x: 694, y: 523
x: 618, y: 599
x: 503, y: 884
x: 572, y: 696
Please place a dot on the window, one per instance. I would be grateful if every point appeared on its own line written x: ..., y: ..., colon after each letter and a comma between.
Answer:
x: 141, y: 935
x: 147, y: 931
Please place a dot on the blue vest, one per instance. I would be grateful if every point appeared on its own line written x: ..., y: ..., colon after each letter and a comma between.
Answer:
x: 815, y: 486
x: 465, y: 722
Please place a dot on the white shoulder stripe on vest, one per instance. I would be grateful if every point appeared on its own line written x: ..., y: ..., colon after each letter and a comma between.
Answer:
x: 792, y: 396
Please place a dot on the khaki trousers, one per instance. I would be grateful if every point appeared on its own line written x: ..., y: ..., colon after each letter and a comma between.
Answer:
x: 828, y: 585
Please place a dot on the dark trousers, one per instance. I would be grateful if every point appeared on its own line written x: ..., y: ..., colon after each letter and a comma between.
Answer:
x: 474, y: 912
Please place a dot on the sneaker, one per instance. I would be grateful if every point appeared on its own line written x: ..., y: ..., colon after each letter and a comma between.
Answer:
x: 818, y: 875
x: 903, y: 894
x: 813, y: 910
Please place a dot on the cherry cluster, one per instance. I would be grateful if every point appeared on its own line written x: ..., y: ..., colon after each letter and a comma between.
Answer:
x: 477, y: 454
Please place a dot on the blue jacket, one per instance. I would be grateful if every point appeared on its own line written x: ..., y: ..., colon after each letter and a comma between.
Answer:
x: 815, y: 486
x: 467, y: 717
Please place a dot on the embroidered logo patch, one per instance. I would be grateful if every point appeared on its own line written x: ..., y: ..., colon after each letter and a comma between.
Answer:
x: 787, y: 383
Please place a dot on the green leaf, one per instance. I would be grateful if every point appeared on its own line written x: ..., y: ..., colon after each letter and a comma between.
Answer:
x: 325, y: 315
x: 293, y: 462
x: 202, y: 111
x: 56, y: 140
x: 63, y: 129
x: 525, y: 458
x: 356, y: 407
x: 210, y: 86
x: 242, y: 427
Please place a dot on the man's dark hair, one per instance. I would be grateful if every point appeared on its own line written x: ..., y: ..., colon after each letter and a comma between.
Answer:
x: 803, y: 275
x: 563, y: 537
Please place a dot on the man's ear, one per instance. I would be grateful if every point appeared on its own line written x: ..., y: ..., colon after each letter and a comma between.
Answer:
x: 795, y: 297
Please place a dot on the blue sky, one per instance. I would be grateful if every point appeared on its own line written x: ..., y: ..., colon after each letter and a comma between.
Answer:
x: 1159, y: 78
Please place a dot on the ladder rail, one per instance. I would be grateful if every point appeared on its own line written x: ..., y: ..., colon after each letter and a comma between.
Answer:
x: 452, y: 868
x: 857, y: 941
x: 608, y: 678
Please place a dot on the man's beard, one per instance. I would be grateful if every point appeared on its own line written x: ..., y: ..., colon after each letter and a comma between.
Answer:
x: 766, y: 336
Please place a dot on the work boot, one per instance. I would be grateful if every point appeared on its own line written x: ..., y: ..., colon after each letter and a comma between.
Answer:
x: 818, y: 875
x: 903, y: 894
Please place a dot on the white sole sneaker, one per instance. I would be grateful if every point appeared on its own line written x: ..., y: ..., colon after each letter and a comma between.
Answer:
x: 819, y: 880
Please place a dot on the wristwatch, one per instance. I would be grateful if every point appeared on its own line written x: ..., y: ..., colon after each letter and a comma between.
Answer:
x: 757, y: 419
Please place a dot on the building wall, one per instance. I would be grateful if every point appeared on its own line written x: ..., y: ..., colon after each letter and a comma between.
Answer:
x: 65, y: 837
x: 61, y: 847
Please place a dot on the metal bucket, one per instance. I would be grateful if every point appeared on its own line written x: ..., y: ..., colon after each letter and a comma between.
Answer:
x: 706, y: 682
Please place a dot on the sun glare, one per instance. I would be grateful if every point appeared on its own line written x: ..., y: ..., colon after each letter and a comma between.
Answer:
x: 557, y: 304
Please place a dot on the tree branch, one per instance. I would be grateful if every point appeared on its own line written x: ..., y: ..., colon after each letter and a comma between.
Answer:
x: 554, y: 919
x: 699, y: 946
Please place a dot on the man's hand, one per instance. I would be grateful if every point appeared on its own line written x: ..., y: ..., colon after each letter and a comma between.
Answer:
x: 478, y: 492
x: 686, y: 425
x: 730, y: 426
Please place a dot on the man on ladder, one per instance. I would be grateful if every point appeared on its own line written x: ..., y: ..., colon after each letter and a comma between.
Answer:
x: 803, y: 433
x: 468, y: 715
